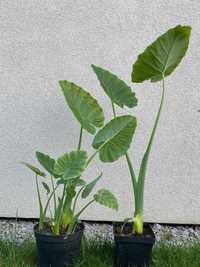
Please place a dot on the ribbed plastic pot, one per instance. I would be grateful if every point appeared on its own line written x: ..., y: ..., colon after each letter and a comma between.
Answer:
x: 133, y: 250
x: 58, y: 251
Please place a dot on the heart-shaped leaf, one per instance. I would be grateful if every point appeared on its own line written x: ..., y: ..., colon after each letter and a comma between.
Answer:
x: 84, y: 107
x: 34, y: 169
x: 162, y: 56
x: 106, y: 198
x: 118, y: 91
x: 71, y: 165
x: 89, y: 187
x: 114, y: 139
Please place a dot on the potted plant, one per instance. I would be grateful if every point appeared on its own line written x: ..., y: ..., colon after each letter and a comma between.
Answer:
x: 58, y: 236
x: 134, y: 241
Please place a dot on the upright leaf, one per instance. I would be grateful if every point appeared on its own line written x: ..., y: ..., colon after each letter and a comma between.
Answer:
x: 46, y: 161
x: 46, y: 187
x: 71, y: 165
x: 114, y: 139
x: 162, y: 56
x: 84, y: 107
x: 106, y: 198
x: 118, y: 91
x: 34, y: 169
x: 89, y: 187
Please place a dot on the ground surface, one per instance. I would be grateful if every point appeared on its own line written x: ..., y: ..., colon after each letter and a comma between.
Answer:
x: 99, y: 253
x: 175, y: 235
x: 175, y: 246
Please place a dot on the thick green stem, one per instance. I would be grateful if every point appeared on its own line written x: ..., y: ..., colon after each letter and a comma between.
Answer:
x: 130, y: 166
x: 133, y: 177
x: 138, y: 220
x: 76, y: 198
x: 54, y: 195
x: 59, y: 212
x: 40, y: 204
x: 80, y: 138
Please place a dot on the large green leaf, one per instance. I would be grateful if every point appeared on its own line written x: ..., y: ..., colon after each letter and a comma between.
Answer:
x: 71, y: 165
x: 114, y: 139
x: 106, y: 198
x: 46, y: 161
x: 85, y: 108
x: 34, y: 169
x: 89, y: 187
x: 162, y: 56
x: 118, y: 91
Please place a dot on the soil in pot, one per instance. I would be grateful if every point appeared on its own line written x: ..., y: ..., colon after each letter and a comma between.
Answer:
x: 132, y: 250
x: 58, y: 251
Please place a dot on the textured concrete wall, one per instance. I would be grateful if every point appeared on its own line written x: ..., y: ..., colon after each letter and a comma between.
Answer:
x: 44, y: 41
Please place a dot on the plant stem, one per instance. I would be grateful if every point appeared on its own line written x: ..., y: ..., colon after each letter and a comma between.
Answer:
x: 76, y: 198
x: 143, y: 168
x: 113, y: 108
x: 92, y: 157
x: 54, y: 195
x: 130, y: 166
x: 85, y: 207
x: 59, y: 213
x: 133, y: 177
x: 40, y: 204
x: 80, y: 138
x: 48, y: 201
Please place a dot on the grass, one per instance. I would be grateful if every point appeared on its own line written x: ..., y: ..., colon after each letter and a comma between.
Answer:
x: 14, y: 255
x: 98, y: 253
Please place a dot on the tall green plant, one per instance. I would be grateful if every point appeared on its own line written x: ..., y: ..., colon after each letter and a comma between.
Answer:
x: 111, y: 142
x: 157, y: 61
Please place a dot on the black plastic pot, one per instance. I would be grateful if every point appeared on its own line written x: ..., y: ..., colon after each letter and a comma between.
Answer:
x: 58, y: 251
x: 133, y: 250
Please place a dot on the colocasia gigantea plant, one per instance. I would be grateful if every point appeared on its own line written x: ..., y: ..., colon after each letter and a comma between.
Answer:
x: 110, y: 142
x: 157, y: 62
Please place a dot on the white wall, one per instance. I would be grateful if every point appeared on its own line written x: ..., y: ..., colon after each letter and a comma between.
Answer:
x: 45, y: 41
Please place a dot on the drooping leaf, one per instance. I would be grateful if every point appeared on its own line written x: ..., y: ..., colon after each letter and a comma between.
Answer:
x: 89, y: 187
x: 118, y: 91
x: 106, y: 198
x: 46, y: 161
x: 34, y: 169
x: 114, y: 139
x: 84, y: 107
x: 46, y: 187
x: 71, y: 165
x: 162, y: 56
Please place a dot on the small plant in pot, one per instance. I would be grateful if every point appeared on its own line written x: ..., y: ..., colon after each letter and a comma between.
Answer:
x: 58, y: 236
x: 134, y: 239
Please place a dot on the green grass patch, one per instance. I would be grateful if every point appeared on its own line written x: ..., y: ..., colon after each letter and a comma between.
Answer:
x: 15, y: 255
x: 99, y: 253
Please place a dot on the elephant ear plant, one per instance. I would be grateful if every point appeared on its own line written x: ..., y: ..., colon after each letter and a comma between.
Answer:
x: 157, y: 62
x: 110, y: 142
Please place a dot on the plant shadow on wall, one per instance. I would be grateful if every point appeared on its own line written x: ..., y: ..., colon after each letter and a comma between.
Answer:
x: 58, y: 236
x: 134, y: 240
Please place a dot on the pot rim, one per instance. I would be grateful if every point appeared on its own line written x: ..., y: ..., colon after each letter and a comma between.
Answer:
x: 148, y: 238
x: 51, y: 235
